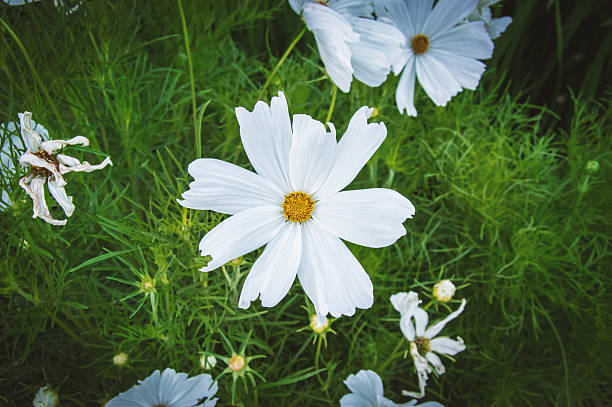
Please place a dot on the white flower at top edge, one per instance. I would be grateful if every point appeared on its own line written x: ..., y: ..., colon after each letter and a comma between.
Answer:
x: 441, y: 54
x: 56, y: 3
x: 48, y: 166
x: 169, y: 389
x: 495, y: 26
x: 367, y: 391
x: 350, y: 41
x: 45, y: 397
x: 423, y: 341
x: 12, y: 146
x: 295, y: 205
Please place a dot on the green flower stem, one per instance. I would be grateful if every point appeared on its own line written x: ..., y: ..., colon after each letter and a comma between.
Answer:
x: 280, y: 62
x: 333, y: 103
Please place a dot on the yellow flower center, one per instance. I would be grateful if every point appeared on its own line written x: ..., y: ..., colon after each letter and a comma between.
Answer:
x: 316, y: 325
x: 236, y: 363
x: 298, y: 206
x: 422, y: 344
x: 420, y: 44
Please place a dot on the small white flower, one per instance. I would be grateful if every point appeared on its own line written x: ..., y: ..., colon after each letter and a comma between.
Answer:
x: 443, y: 55
x: 423, y: 341
x: 47, y: 166
x: 120, y: 359
x: 495, y: 26
x: 295, y: 205
x: 350, y: 41
x: 208, y: 362
x: 9, y: 153
x: 367, y: 391
x: 169, y: 389
x: 444, y: 290
x: 45, y: 398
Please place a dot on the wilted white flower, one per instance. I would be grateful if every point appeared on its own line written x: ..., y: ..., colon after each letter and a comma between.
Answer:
x: 294, y: 204
x: 443, y: 55
x: 120, y: 359
x: 367, y: 391
x: 45, y: 397
x: 423, y: 341
x: 47, y: 166
x: 350, y: 41
x: 444, y: 290
x: 169, y: 389
x: 495, y: 26
x: 12, y: 146
x: 208, y: 362
x: 56, y: 3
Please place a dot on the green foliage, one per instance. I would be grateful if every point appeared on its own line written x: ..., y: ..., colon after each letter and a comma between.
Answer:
x: 512, y: 211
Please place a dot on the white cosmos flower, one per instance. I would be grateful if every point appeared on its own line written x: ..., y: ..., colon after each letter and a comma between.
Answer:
x: 56, y: 3
x: 47, y: 166
x: 169, y: 389
x: 423, y: 340
x: 367, y: 391
x: 350, y: 41
x: 295, y: 205
x: 443, y: 55
x: 12, y: 146
x: 495, y: 26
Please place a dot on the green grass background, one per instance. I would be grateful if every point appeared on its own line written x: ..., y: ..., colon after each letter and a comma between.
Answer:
x: 504, y: 207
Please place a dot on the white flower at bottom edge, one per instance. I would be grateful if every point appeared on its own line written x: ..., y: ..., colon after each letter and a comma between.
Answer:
x: 495, y: 26
x: 440, y: 53
x: 48, y: 167
x: 295, y: 205
x: 423, y: 341
x: 367, y: 391
x: 12, y: 145
x: 45, y: 397
x: 169, y: 389
x: 350, y: 41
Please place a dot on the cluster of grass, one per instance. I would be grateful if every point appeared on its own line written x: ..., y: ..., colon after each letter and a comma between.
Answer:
x: 506, y: 208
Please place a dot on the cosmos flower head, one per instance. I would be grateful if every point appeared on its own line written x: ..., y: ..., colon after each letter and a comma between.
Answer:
x: 495, y: 26
x: 48, y: 166
x: 441, y: 53
x: 294, y: 204
x: 169, y: 389
x: 351, y: 42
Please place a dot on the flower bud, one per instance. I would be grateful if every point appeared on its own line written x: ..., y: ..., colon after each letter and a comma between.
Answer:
x: 120, y: 359
x: 444, y: 290
x: 207, y: 362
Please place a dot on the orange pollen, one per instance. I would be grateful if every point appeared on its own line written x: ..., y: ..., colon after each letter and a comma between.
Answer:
x: 298, y: 206
x: 422, y: 344
x: 420, y: 44
x: 50, y: 158
x: 236, y: 363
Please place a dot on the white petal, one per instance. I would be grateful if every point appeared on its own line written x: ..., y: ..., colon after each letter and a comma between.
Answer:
x: 31, y: 159
x: 332, y: 33
x: 354, y: 400
x: 59, y: 194
x: 447, y: 346
x: 498, y: 26
x: 366, y: 384
x: 266, y: 136
x: 420, y: 321
x: 407, y: 327
x: 422, y: 368
x: 353, y: 8
x: 435, y: 78
x: 409, y: 15
x: 436, y: 362
x: 34, y: 187
x: 312, y: 154
x: 32, y: 139
x: 52, y: 146
x: 297, y: 5
x: 467, y: 71
x: 274, y: 271
x: 331, y: 276
x: 358, y: 144
x: 241, y: 234
x: 404, y: 96
x: 469, y: 40
x: 223, y: 187
x: 189, y: 391
x: 405, y: 303
x: 82, y: 167
x: 445, y: 15
x: 436, y: 328
x: 368, y: 217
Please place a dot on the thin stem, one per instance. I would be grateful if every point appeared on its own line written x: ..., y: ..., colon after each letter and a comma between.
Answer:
x: 198, y: 142
x: 333, y: 102
x: 280, y: 62
x: 35, y: 73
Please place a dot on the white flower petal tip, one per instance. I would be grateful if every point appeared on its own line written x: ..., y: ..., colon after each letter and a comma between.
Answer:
x: 440, y: 50
x: 405, y: 303
x: 169, y: 388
